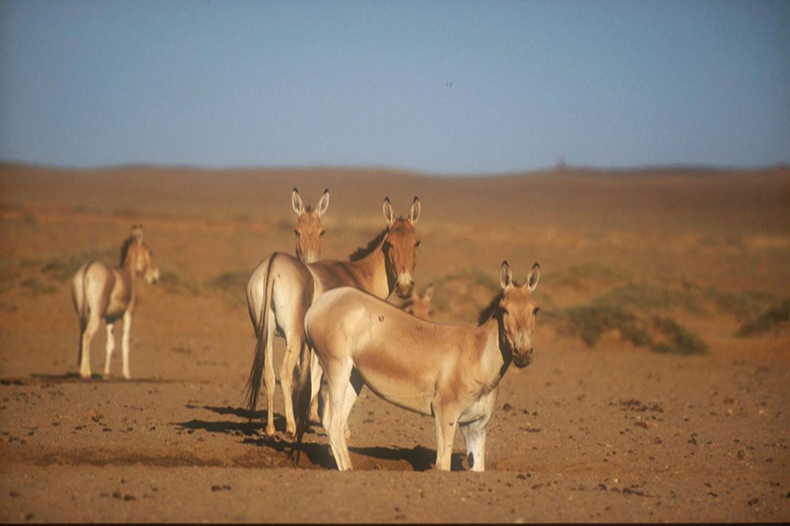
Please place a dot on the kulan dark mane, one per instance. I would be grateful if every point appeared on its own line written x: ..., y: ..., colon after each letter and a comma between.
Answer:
x: 489, y: 310
x: 362, y: 253
x: 492, y: 307
x: 125, y: 249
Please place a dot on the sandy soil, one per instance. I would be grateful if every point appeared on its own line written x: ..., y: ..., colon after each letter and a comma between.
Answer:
x: 612, y: 432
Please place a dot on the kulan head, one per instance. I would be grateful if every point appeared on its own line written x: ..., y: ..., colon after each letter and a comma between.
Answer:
x: 400, y: 247
x: 517, y: 311
x: 137, y: 258
x: 309, y: 229
x: 421, y: 303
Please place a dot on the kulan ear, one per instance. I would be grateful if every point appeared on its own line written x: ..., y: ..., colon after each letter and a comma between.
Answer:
x: 296, y: 202
x: 534, y: 276
x: 323, y: 204
x: 428, y: 295
x: 505, y: 276
x: 414, y: 213
x: 389, y: 214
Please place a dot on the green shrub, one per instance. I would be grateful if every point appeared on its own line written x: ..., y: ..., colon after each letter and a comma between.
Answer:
x: 680, y: 339
x: 590, y: 322
x: 769, y: 320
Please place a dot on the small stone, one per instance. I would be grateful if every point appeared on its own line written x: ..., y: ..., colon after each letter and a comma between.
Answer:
x: 129, y: 497
x: 507, y: 407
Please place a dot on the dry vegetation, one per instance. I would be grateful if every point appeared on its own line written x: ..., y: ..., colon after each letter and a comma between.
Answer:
x: 659, y: 389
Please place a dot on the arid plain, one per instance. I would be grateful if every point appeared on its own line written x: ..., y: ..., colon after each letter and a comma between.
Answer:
x: 659, y: 390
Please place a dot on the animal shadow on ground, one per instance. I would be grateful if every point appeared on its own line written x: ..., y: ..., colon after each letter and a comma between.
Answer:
x: 318, y: 455
x: 254, y: 421
x: 75, y: 378
x: 420, y: 458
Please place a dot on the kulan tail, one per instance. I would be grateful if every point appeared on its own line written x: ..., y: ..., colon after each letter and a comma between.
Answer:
x: 253, y: 387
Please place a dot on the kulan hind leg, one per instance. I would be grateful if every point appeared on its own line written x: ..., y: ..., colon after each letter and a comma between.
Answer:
x: 293, y: 350
x: 353, y: 389
x: 269, y: 381
x: 337, y: 377
x: 127, y: 327
x: 110, y: 347
x: 316, y: 373
x: 86, y: 337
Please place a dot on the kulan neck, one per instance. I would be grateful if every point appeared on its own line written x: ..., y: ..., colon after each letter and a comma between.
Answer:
x: 373, y: 270
x: 495, y: 355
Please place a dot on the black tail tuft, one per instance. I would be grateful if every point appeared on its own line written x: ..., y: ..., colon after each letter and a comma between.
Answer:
x: 253, y: 387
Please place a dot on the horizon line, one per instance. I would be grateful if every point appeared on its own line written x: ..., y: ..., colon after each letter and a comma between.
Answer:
x: 557, y: 167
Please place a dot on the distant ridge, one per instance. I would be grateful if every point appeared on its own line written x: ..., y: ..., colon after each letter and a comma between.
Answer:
x: 565, y: 169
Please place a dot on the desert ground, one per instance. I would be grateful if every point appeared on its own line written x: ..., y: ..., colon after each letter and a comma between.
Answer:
x: 659, y: 389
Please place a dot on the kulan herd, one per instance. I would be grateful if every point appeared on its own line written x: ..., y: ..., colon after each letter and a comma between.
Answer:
x: 341, y: 333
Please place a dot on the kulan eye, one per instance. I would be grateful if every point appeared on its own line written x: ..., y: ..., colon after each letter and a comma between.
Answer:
x: 417, y: 244
x: 321, y: 234
x: 536, y: 311
x: 297, y: 233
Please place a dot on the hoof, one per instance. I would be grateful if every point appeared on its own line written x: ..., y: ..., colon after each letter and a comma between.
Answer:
x: 290, y: 435
x: 269, y: 432
x: 85, y: 376
x: 105, y: 376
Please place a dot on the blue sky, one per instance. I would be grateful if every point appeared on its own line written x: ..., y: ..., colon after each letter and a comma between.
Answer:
x: 439, y: 87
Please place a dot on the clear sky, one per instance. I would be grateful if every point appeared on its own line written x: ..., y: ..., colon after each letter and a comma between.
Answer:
x: 441, y: 87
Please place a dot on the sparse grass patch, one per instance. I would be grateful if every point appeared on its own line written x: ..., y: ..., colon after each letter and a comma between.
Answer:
x: 478, y: 277
x: 679, y: 339
x: 620, y: 311
x: 125, y: 212
x: 586, y: 274
x: 35, y: 286
x: 593, y: 271
x: 591, y: 321
x: 775, y: 318
x: 460, y: 294
x: 9, y: 273
x: 233, y: 284
x: 64, y: 267
x: 648, y: 297
x: 174, y: 283
x: 741, y: 305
